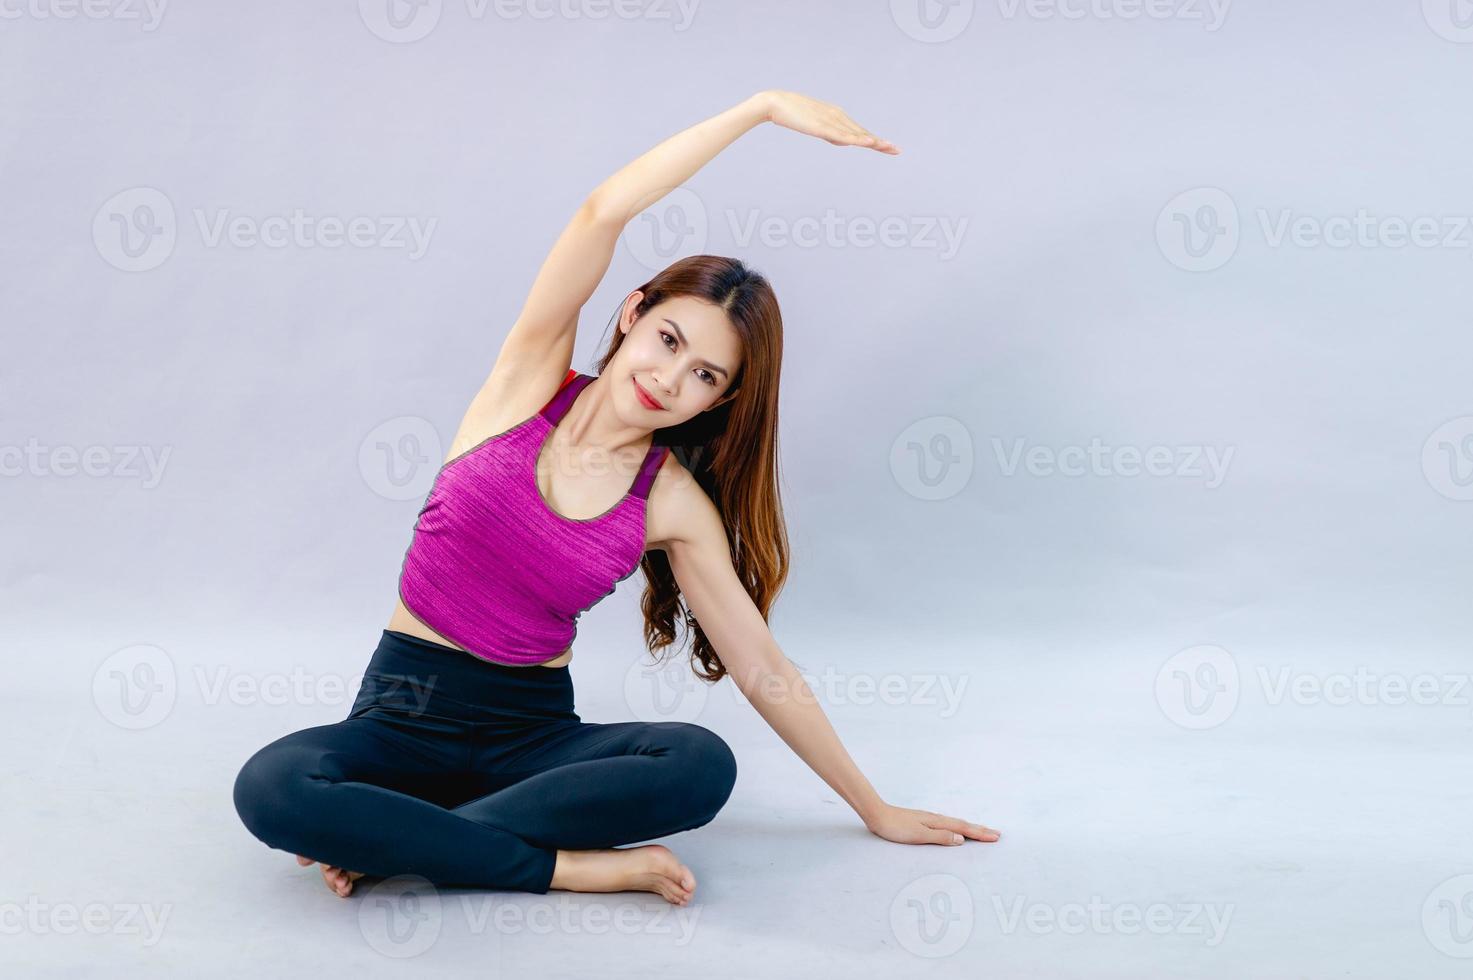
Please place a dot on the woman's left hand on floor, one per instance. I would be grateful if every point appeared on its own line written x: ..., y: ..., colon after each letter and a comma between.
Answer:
x: 906, y: 826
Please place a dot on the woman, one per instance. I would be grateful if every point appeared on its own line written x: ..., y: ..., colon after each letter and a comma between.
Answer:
x: 462, y: 759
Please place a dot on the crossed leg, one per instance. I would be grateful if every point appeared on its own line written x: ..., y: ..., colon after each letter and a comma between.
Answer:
x: 602, y: 785
x: 367, y: 794
x: 354, y: 794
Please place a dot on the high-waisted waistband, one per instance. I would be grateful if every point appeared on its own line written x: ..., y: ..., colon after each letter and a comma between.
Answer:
x: 440, y: 680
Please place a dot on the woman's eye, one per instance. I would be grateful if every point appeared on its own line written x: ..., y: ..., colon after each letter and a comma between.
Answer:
x: 709, y: 378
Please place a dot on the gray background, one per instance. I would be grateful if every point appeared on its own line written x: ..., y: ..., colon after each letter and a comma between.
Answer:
x: 292, y: 388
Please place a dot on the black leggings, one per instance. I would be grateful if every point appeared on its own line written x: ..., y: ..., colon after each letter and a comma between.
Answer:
x: 473, y: 773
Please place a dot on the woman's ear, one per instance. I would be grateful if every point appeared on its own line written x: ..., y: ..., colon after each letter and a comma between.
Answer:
x: 626, y: 312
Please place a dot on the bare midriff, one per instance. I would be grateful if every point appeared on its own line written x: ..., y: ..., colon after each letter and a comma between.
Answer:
x: 404, y: 622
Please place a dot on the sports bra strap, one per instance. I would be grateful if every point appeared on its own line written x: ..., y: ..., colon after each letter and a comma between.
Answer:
x: 559, y: 404
x: 646, y: 478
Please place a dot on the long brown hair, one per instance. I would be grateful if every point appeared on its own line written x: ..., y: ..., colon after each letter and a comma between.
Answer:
x: 730, y: 450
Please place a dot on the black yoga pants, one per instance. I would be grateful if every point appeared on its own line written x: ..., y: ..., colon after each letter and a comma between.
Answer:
x: 472, y: 773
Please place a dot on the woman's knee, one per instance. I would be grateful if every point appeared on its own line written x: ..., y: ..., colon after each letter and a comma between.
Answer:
x: 709, y: 768
x: 270, y: 789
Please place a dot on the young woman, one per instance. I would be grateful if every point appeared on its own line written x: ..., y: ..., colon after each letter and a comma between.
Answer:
x: 462, y: 759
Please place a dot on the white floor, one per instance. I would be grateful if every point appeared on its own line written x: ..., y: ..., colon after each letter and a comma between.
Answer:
x: 1291, y: 838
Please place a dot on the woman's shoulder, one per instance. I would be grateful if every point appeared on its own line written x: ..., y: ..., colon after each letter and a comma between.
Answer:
x: 678, y: 508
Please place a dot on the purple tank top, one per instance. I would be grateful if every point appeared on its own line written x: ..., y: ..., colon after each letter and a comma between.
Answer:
x: 494, y: 569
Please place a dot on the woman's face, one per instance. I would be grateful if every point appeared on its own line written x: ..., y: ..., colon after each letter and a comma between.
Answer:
x: 683, y: 353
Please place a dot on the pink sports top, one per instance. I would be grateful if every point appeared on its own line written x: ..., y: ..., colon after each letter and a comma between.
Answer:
x: 493, y: 568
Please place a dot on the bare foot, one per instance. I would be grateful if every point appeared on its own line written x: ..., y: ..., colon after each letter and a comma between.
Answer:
x: 649, y: 868
x: 337, y: 879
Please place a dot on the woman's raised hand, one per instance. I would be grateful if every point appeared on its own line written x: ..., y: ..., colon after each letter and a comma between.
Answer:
x: 822, y: 119
x: 907, y: 826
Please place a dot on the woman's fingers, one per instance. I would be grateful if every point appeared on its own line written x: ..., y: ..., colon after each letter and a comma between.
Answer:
x: 976, y: 831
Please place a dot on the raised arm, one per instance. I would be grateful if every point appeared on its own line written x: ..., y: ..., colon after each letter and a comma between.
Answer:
x: 580, y: 257
x: 548, y: 322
